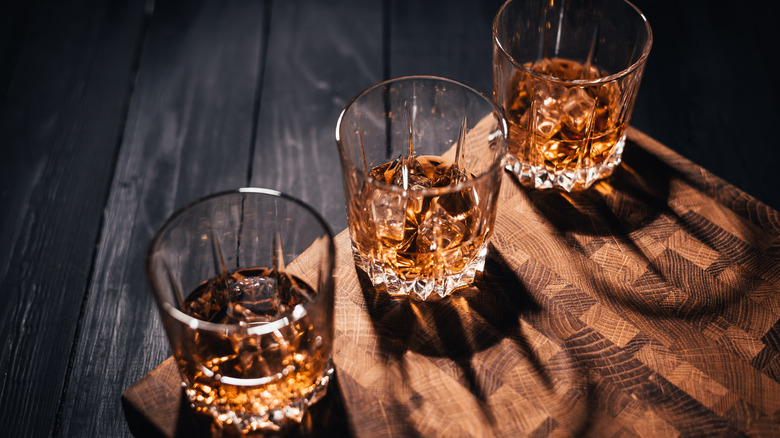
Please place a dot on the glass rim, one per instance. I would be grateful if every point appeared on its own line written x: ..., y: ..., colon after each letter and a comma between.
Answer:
x: 604, y: 79
x: 495, y: 167
x: 299, y: 311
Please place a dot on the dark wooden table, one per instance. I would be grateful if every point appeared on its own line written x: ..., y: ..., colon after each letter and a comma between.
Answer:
x: 115, y: 113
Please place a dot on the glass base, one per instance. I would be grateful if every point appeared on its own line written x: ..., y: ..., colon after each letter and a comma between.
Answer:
x: 571, y: 180
x: 385, y: 278
x: 263, y: 420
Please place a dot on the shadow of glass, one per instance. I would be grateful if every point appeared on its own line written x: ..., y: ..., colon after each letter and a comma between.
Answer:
x: 496, y: 309
x: 634, y: 201
x: 471, y: 320
x: 634, y: 196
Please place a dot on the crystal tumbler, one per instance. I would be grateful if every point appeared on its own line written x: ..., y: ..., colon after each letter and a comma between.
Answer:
x: 422, y: 161
x: 566, y: 74
x: 244, y: 285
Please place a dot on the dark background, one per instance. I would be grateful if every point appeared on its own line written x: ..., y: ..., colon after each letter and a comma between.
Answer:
x: 115, y: 113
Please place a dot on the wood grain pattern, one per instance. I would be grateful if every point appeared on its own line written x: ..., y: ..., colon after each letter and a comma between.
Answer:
x: 458, y: 46
x: 60, y: 119
x: 644, y: 307
x: 323, y: 54
x: 180, y: 129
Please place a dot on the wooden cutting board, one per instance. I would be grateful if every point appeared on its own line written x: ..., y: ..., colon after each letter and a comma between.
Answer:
x: 648, y: 305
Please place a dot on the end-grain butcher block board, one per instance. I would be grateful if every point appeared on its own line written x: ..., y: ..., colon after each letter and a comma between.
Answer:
x: 648, y: 305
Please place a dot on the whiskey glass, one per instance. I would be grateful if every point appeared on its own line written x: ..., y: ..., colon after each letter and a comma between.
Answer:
x: 566, y: 73
x: 243, y: 282
x: 422, y: 159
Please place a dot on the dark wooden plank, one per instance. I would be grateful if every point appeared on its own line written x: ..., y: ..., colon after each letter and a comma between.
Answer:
x: 708, y: 91
x: 68, y: 75
x: 444, y: 38
x: 321, y: 54
x: 188, y: 134
x: 13, y: 25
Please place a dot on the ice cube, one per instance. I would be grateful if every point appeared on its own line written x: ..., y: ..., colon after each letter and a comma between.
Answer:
x: 461, y: 204
x: 454, y: 175
x: 398, y: 174
x: 566, y: 70
x: 426, y: 166
x: 547, y: 121
x: 608, y: 94
x: 549, y: 93
x: 409, y: 173
x: 577, y: 108
x: 415, y: 200
x: 543, y: 66
x: 388, y: 172
x: 439, y: 230
x: 417, y: 181
x: 388, y: 212
x: 258, y: 297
